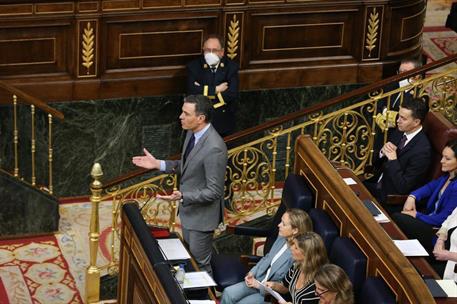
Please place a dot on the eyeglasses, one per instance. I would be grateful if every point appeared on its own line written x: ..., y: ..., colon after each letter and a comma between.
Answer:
x: 208, y: 50
x: 319, y: 294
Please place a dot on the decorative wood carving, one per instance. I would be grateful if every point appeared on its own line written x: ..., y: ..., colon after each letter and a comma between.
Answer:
x: 118, y: 48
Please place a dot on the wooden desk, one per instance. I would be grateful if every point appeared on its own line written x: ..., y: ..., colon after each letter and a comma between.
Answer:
x: 420, y: 263
x: 144, y: 274
x: 354, y: 221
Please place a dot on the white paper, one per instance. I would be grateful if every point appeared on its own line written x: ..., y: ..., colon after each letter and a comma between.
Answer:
x: 349, y: 181
x: 449, y: 287
x: 202, y: 302
x: 411, y: 247
x: 198, y: 279
x: 275, y: 294
x: 381, y: 218
x: 173, y: 249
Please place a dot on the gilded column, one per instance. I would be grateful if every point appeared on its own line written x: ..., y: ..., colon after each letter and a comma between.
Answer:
x: 93, y: 272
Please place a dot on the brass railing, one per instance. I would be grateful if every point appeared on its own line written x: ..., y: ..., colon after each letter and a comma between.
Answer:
x: 343, y: 134
x: 20, y: 120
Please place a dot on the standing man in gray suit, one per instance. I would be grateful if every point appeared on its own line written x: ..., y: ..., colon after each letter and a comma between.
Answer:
x: 202, y: 173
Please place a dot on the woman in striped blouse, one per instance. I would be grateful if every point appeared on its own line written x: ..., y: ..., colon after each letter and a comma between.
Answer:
x: 309, y: 254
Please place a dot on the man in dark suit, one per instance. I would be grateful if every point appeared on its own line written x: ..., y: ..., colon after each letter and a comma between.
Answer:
x: 404, y: 159
x: 202, y: 172
x: 216, y: 77
x: 406, y: 65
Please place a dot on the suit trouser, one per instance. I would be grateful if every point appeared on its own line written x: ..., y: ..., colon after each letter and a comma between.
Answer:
x: 200, y: 245
x: 416, y: 229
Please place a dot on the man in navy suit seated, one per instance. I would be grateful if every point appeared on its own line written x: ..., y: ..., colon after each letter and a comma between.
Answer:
x: 215, y: 76
x: 403, y: 161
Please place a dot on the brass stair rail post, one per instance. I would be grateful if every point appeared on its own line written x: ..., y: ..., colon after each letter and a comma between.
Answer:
x: 50, y: 153
x: 93, y: 272
x: 33, y: 142
x: 15, y: 137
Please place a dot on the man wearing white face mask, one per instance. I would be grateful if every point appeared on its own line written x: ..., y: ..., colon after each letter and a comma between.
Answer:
x: 215, y: 76
x: 395, y: 99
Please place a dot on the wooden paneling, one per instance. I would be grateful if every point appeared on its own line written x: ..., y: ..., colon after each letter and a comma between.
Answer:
x: 44, y: 49
x: 116, y: 48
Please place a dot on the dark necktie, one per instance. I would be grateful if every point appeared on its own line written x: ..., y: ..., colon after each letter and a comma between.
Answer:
x: 213, y: 69
x: 402, y: 142
x: 190, y: 146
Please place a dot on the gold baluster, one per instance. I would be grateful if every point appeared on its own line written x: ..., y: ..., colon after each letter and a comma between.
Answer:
x: 343, y: 139
x: 93, y: 272
x: 172, y: 221
x: 32, y: 110
x: 50, y: 152
x: 289, y: 135
x: 15, y: 137
x: 273, y: 168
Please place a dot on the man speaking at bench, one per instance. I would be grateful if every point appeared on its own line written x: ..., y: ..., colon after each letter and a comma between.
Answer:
x: 405, y: 157
x: 202, y: 172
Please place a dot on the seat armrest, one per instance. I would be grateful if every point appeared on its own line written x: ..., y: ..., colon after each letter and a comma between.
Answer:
x: 249, y: 261
x: 244, y: 230
x: 395, y: 199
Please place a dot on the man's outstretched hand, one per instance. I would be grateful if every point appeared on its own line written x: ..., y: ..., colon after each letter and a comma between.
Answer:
x: 146, y: 161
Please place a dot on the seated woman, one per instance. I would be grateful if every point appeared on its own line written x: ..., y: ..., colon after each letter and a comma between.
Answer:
x: 272, y: 266
x: 333, y: 285
x: 447, y: 251
x: 442, y: 200
x: 309, y: 254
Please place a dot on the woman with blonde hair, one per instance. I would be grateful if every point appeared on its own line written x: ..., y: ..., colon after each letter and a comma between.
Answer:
x: 274, y: 265
x: 333, y: 285
x: 309, y: 254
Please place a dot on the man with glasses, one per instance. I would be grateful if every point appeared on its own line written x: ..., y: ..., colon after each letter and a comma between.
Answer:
x: 215, y: 76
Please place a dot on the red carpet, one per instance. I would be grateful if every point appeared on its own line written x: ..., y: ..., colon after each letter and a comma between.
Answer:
x: 33, y: 270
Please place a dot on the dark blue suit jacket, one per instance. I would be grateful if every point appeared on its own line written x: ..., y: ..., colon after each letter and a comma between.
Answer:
x: 201, y: 80
x: 446, y: 204
x: 408, y: 171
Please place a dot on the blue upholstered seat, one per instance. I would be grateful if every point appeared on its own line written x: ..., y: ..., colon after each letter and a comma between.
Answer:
x: 228, y: 269
x: 324, y: 226
x: 296, y: 193
x: 375, y: 291
x: 348, y: 256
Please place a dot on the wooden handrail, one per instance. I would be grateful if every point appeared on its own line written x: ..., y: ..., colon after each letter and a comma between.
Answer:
x: 333, y: 101
x: 24, y: 97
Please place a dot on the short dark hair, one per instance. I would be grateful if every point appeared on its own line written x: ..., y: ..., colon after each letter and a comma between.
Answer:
x: 202, y: 105
x: 418, y: 107
x: 417, y: 63
x: 215, y: 36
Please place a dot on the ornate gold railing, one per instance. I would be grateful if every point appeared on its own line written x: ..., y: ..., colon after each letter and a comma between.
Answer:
x: 343, y: 134
x: 20, y: 122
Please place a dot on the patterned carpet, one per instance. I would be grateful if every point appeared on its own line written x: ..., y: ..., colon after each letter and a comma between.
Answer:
x: 35, y: 271
x: 438, y: 43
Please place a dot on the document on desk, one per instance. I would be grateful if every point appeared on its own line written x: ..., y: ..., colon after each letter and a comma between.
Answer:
x: 411, y: 247
x: 449, y: 287
x: 173, y: 249
x: 198, y: 279
x: 202, y: 302
x: 275, y: 294
x: 349, y: 181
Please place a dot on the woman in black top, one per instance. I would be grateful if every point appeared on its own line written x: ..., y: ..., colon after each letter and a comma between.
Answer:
x: 309, y: 254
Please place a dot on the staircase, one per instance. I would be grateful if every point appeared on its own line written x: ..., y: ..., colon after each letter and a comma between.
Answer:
x: 26, y: 186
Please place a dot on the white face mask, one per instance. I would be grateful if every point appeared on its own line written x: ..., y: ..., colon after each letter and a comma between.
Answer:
x: 403, y: 83
x: 212, y: 59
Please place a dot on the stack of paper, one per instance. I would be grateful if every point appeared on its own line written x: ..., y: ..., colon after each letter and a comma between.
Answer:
x: 411, y: 247
x: 198, y: 279
x: 173, y: 249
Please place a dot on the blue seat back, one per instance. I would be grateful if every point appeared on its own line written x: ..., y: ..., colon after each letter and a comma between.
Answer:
x: 296, y: 193
x: 324, y: 226
x: 348, y: 256
x: 376, y: 291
